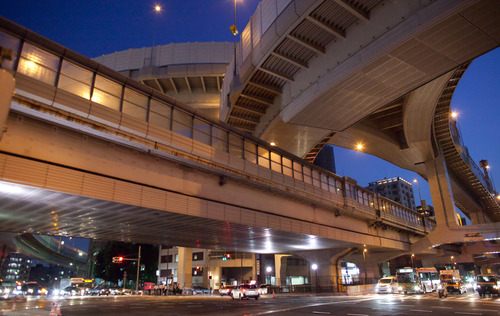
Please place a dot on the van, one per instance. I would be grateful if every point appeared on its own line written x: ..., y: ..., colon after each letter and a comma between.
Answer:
x: 387, y: 285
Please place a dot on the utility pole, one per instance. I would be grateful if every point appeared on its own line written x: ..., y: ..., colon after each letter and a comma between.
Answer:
x: 138, y: 267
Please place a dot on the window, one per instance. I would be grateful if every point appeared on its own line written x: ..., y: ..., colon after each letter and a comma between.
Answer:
x: 197, y: 256
x: 135, y: 104
x: 165, y: 259
x: 176, y: 258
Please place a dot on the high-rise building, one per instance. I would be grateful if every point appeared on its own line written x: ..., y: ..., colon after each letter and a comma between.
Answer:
x: 16, y: 267
x: 397, y: 189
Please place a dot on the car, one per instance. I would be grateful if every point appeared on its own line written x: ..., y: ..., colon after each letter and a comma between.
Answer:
x: 454, y: 285
x: 487, y: 284
x: 226, y: 290
x: 387, y: 285
x: 264, y: 289
x: 99, y: 290
x: 32, y: 288
x: 116, y: 291
x: 71, y: 291
x: 245, y: 291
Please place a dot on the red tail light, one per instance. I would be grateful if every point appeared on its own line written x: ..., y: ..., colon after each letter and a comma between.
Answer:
x: 244, y: 290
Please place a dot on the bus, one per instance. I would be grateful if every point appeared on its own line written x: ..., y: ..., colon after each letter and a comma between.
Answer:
x: 419, y: 280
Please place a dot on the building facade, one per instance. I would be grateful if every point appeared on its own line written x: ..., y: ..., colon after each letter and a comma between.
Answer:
x: 397, y: 189
x: 16, y: 268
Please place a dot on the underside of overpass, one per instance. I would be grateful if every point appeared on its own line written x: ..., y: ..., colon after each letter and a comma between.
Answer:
x: 327, y: 72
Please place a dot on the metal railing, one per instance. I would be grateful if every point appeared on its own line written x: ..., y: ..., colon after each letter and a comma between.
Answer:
x: 101, y: 89
x: 458, y: 140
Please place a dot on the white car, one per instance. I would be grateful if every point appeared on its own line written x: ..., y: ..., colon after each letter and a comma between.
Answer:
x: 246, y: 291
x: 387, y: 285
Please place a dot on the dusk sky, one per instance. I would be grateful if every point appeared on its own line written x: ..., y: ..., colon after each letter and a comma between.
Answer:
x: 94, y: 28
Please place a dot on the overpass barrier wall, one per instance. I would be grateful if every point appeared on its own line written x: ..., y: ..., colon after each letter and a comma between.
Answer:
x: 55, y: 76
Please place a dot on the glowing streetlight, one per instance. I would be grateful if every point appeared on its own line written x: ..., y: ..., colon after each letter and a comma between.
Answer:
x: 272, y: 143
x: 454, y: 115
x: 418, y: 187
x: 412, y: 256
x: 157, y: 11
x: 364, y: 263
x: 359, y: 147
x: 314, y: 266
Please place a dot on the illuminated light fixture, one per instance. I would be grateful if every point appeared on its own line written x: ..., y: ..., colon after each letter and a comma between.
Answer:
x: 314, y: 266
x: 157, y: 8
x: 488, y: 167
x: 269, y: 269
x: 454, y: 114
x: 10, y: 189
x: 498, y: 197
x: 359, y: 147
x: 272, y: 143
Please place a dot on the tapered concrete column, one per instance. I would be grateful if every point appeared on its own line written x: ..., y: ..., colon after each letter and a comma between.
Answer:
x: 442, y: 197
x: 277, y: 268
x: 326, y: 276
x: 184, y: 267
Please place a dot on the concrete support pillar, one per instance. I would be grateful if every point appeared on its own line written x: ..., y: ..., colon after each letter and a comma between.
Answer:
x: 442, y: 197
x: 216, y: 273
x: 280, y: 275
x: 326, y: 276
x: 184, y: 267
x: 254, y: 267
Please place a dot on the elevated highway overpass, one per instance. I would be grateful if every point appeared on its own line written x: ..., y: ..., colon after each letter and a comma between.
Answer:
x: 88, y: 152
x: 381, y: 73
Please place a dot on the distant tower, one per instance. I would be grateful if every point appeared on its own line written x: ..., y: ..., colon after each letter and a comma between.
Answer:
x: 397, y: 189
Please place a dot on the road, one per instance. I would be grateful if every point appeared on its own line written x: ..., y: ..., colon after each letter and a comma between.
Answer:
x: 398, y: 304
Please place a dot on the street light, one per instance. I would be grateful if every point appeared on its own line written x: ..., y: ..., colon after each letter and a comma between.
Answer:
x: 157, y: 11
x: 364, y: 263
x: 314, y: 266
x: 359, y: 147
x: 418, y: 187
x: 412, y: 256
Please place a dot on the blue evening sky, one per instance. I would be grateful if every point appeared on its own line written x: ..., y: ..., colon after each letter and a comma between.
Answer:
x: 96, y: 27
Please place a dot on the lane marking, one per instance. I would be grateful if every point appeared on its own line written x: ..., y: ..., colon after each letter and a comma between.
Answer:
x: 484, y: 310
x: 468, y: 313
x: 357, y: 314
x: 443, y: 307
x: 311, y: 305
x: 324, y: 313
x: 420, y: 310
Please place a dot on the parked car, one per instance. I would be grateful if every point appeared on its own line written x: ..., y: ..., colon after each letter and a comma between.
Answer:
x: 387, y: 285
x: 226, y: 290
x: 245, y: 291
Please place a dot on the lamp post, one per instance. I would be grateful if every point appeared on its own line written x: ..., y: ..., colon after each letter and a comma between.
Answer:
x: 418, y: 187
x: 314, y: 266
x: 412, y: 256
x: 364, y: 263
x: 157, y: 11
x: 234, y: 30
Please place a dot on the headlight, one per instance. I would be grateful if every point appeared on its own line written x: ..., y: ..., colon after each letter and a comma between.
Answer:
x: 30, y: 291
x: 416, y: 288
x: 377, y: 286
x: 440, y: 287
x: 400, y: 288
x: 495, y: 287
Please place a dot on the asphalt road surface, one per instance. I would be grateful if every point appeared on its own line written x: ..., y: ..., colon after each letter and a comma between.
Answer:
x: 397, y: 304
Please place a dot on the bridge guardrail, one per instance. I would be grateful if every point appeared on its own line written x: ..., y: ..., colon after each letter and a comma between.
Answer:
x: 56, y: 76
x: 457, y: 139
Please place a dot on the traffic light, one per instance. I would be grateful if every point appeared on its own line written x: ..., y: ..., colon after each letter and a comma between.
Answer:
x: 227, y: 256
x: 117, y: 259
